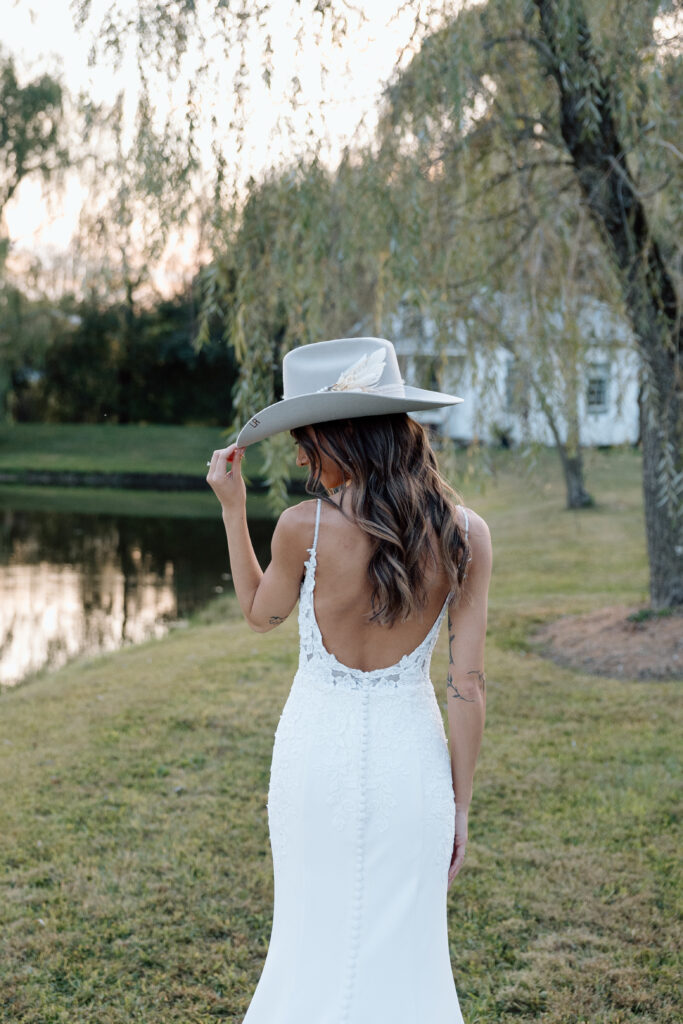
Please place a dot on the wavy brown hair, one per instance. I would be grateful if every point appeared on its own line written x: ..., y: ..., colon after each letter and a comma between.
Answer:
x: 397, y: 493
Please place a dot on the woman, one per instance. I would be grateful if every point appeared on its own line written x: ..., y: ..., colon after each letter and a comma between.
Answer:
x: 367, y: 812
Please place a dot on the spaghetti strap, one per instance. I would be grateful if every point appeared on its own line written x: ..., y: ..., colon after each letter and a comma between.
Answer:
x: 467, y: 522
x: 467, y: 533
x: 317, y: 527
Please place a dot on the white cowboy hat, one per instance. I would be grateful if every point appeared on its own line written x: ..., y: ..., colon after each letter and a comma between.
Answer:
x: 336, y: 380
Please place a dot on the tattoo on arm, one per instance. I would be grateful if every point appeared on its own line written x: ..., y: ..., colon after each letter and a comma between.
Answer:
x: 481, y: 678
x: 275, y: 620
x: 450, y: 685
x: 451, y: 638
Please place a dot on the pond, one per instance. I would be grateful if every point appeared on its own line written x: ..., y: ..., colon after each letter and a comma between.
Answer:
x: 74, y: 583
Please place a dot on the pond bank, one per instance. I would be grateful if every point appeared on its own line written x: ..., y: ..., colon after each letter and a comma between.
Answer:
x: 130, y: 481
x: 123, y: 457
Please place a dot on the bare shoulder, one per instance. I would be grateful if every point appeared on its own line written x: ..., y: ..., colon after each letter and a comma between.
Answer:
x: 481, y: 552
x: 295, y: 526
x: 479, y: 534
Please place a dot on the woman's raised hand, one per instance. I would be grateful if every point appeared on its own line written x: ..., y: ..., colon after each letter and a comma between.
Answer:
x: 228, y: 486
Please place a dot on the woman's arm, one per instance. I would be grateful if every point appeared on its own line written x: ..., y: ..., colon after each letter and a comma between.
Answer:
x: 466, y: 684
x: 266, y: 598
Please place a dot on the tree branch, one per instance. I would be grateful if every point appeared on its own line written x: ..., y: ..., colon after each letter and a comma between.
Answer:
x: 523, y: 37
x: 495, y: 264
x: 610, y: 190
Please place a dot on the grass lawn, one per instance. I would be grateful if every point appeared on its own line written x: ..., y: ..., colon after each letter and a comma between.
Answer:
x: 108, y: 448
x: 134, y: 858
x: 115, y: 448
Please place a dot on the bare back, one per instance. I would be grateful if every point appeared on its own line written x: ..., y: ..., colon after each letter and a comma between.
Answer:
x: 342, y: 598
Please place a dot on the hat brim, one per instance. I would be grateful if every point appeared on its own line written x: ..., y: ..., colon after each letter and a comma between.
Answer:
x: 322, y: 406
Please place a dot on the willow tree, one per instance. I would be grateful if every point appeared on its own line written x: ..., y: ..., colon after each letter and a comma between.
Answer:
x: 604, y: 106
x: 137, y: 192
x: 514, y: 111
x: 31, y: 129
x: 498, y: 240
x: 589, y: 96
x: 32, y: 144
x: 300, y: 263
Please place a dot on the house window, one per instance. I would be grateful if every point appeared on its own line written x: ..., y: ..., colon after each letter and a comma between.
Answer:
x: 596, y: 388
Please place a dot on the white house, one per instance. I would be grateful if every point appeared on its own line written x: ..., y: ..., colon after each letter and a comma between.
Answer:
x: 495, y: 405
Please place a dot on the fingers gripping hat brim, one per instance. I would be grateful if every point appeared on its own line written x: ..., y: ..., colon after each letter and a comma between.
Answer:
x: 318, y: 407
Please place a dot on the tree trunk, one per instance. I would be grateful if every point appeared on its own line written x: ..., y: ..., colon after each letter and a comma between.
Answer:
x: 572, y: 454
x: 5, y: 388
x: 664, y: 542
x: 125, y: 376
x: 572, y: 464
x: 590, y: 134
x: 577, y: 495
x: 572, y: 467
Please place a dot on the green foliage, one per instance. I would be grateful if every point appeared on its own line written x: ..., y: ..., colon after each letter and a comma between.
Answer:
x: 301, y: 266
x: 31, y: 142
x: 91, y: 362
x: 25, y: 327
x: 31, y: 129
x: 138, y: 189
x: 467, y: 178
x: 645, y: 614
x: 475, y: 209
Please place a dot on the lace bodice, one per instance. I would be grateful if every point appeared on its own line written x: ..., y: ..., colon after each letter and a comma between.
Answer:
x: 315, y: 658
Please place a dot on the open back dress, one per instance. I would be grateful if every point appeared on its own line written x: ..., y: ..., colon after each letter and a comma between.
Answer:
x: 361, y: 816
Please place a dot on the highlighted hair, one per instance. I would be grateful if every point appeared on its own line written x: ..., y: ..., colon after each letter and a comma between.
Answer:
x: 397, y: 494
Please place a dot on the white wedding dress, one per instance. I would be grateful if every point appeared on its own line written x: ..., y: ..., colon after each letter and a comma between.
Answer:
x: 361, y: 816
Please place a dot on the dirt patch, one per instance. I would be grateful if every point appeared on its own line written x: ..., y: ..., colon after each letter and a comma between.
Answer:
x: 609, y: 643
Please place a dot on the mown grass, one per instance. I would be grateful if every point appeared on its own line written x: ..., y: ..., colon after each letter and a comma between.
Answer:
x: 136, y: 873
x: 117, y: 448
x: 109, y: 448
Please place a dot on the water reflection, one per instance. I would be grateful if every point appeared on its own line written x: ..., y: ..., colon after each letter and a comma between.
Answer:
x: 74, y: 583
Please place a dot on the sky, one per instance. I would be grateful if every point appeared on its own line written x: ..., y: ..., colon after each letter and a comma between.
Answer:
x: 41, y: 36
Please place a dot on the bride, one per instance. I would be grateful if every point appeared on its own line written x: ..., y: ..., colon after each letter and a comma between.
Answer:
x: 367, y: 805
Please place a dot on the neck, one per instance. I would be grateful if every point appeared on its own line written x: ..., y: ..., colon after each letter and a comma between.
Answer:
x: 339, y: 487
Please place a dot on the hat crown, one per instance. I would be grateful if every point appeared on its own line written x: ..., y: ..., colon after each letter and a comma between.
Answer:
x: 319, y: 366
x: 339, y: 379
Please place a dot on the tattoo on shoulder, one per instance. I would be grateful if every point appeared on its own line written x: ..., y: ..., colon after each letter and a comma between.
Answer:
x: 275, y: 620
